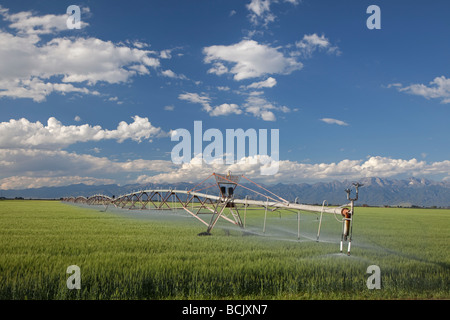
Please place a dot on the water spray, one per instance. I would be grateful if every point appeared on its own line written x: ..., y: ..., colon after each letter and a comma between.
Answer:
x: 197, y: 203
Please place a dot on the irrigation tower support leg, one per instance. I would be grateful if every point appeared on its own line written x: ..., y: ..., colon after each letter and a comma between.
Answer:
x: 245, y: 209
x: 236, y: 216
x: 298, y: 220
x: 265, y: 217
x: 216, y: 215
x: 320, y: 221
x: 351, y: 229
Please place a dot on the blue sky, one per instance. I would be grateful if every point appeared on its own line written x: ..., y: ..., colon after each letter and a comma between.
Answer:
x: 97, y: 105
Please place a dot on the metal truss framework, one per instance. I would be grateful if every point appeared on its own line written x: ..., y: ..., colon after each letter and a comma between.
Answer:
x: 224, y: 206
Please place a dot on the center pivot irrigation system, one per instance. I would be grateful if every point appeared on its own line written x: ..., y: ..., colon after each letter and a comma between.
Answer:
x: 225, y: 205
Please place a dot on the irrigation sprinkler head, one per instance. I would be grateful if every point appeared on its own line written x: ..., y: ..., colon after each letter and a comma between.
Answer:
x: 348, y: 191
x: 357, y: 185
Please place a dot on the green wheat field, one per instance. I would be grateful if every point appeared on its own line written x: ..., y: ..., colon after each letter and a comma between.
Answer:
x: 148, y: 255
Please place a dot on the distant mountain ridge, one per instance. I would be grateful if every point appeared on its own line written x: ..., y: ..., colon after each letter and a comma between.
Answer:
x: 375, y: 192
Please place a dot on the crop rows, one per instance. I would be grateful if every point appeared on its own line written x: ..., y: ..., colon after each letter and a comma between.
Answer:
x: 130, y: 255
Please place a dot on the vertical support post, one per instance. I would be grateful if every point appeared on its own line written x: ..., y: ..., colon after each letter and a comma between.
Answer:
x: 298, y: 220
x: 265, y: 216
x: 320, y: 221
x: 342, y: 234
x: 351, y: 227
x: 245, y: 209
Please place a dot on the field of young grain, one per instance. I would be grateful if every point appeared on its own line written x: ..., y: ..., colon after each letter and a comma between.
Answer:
x: 142, y: 255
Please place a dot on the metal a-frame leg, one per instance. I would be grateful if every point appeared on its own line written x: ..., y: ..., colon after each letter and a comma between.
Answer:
x: 216, y: 215
x: 237, y: 217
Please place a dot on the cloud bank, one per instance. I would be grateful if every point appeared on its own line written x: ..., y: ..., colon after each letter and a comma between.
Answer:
x: 37, y: 67
x: 25, y: 134
x: 295, y: 172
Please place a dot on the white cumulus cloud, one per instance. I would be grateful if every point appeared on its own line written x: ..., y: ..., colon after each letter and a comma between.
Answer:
x: 260, y: 107
x: 439, y: 88
x: 334, y: 121
x: 225, y: 109
x: 249, y: 59
x: 37, y: 67
x: 22, y: 133
x: 261, y: 13
x: 26, y: 22
x: 214, y: 111
x: 312, y: 42
x: 268, y: 83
